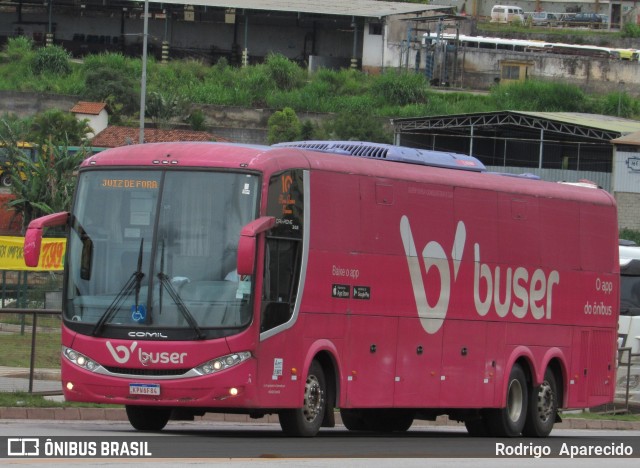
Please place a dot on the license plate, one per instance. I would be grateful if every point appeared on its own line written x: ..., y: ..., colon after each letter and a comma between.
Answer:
x: 144, y: 389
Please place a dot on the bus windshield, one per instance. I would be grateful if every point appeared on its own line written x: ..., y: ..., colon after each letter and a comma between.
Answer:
x: 158, y: 249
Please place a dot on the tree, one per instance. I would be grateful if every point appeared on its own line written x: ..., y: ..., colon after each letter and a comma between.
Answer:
x: 111, y: 85
x: 283, y: 125
x: 44, y: 185
x: 59, y: 128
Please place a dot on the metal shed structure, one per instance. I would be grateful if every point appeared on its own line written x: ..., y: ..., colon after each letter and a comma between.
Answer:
x: 554, y: 145
x: 211, y: 29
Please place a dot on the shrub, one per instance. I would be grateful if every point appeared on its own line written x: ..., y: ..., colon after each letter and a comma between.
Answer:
x: 110, y: 85
x: 361, y: 126
x: 285, y: 73
x: 162, y: 107
x: 52, y: 59
x: 630, y: 30
x: 18, y: 48
x: 197, y: 120
x: 401, y: 88
x: 283, y: 125
x: 536, y: 95
x: 630, y: 234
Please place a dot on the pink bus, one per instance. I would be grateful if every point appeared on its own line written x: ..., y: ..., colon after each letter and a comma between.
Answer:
x: 392, y: 283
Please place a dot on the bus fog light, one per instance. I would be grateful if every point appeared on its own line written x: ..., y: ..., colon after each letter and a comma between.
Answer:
x: 69, y: 386
x: 233, y: 391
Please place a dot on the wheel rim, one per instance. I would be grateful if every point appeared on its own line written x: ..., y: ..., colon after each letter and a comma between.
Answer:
x: 515, y: 400
x: 546, y: 401
x: 313, y: 398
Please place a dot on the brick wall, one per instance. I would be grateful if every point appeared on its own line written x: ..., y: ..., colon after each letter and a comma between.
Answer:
x: 628, y: 210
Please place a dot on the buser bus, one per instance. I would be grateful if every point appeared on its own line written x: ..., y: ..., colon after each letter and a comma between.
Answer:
x: 393, y: 283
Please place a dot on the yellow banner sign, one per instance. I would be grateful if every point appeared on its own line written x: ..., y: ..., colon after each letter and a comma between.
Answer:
x: 51, y: 254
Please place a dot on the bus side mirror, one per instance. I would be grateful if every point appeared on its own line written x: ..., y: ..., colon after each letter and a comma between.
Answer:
x: 33, y: 236
x: 247, y: 244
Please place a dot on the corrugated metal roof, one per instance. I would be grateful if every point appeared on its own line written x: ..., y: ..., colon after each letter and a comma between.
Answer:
x: 360, y: 8
x: 602, y: 122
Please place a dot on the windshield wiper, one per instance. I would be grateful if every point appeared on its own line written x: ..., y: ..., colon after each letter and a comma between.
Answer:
x: 166, y: 282
x: 182, y: 307
x: 134, y: 281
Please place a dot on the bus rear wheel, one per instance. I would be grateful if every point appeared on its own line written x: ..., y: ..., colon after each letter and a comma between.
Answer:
x: 543, y: 407
x: 306, y: 421
x: 148, y: 418
x: 353, y: 420
x: 509, y: 421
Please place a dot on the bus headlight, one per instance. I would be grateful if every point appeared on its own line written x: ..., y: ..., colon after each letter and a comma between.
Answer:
x: 79, y: 359
x: 222, y: 363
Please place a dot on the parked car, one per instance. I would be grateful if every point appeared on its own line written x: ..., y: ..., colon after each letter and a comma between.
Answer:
x: 507, y: 14
x: 544, y: 18
x: 589, y: 20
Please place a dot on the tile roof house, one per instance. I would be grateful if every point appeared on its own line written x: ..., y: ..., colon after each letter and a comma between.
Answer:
x: 94, y: 112
x: 114, y: 136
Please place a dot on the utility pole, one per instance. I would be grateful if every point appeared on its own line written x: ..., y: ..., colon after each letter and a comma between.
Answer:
x: 143, y: 81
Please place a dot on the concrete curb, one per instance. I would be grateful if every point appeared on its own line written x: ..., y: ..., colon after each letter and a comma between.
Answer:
x: 119, y: 414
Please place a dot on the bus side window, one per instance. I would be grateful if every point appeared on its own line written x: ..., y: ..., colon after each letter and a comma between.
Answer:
x: 282, y: 268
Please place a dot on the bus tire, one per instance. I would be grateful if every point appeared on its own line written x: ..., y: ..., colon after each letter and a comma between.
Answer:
x: 389, y: 420
x: 148, y: 418
x: 477, y: 426
x: 306, y: 421
x: 543, y: 407
x: 353, y: 420
x: 509, y: 421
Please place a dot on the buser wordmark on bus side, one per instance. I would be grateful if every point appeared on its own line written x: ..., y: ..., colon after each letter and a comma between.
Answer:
x: 528, y: 290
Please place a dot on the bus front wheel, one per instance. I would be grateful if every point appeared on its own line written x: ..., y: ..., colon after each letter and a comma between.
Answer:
x: 148, y: 418
x: 509, y: 421
x: 306, y: 421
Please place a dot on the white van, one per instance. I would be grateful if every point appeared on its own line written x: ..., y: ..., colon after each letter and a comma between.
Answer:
x: 506, y: 14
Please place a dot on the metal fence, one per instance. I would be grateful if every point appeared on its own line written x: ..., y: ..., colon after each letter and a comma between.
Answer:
x: 30, y: 315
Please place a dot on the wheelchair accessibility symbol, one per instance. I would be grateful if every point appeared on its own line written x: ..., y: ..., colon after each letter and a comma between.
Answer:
x: 139, y: 313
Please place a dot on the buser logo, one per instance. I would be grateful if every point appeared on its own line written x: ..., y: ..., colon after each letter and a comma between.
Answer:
x: 518, y: 292
x: 122, y: 354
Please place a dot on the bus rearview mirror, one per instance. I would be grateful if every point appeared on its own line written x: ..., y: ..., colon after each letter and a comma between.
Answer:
x: 33, y: 236
x: 247, y: 244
